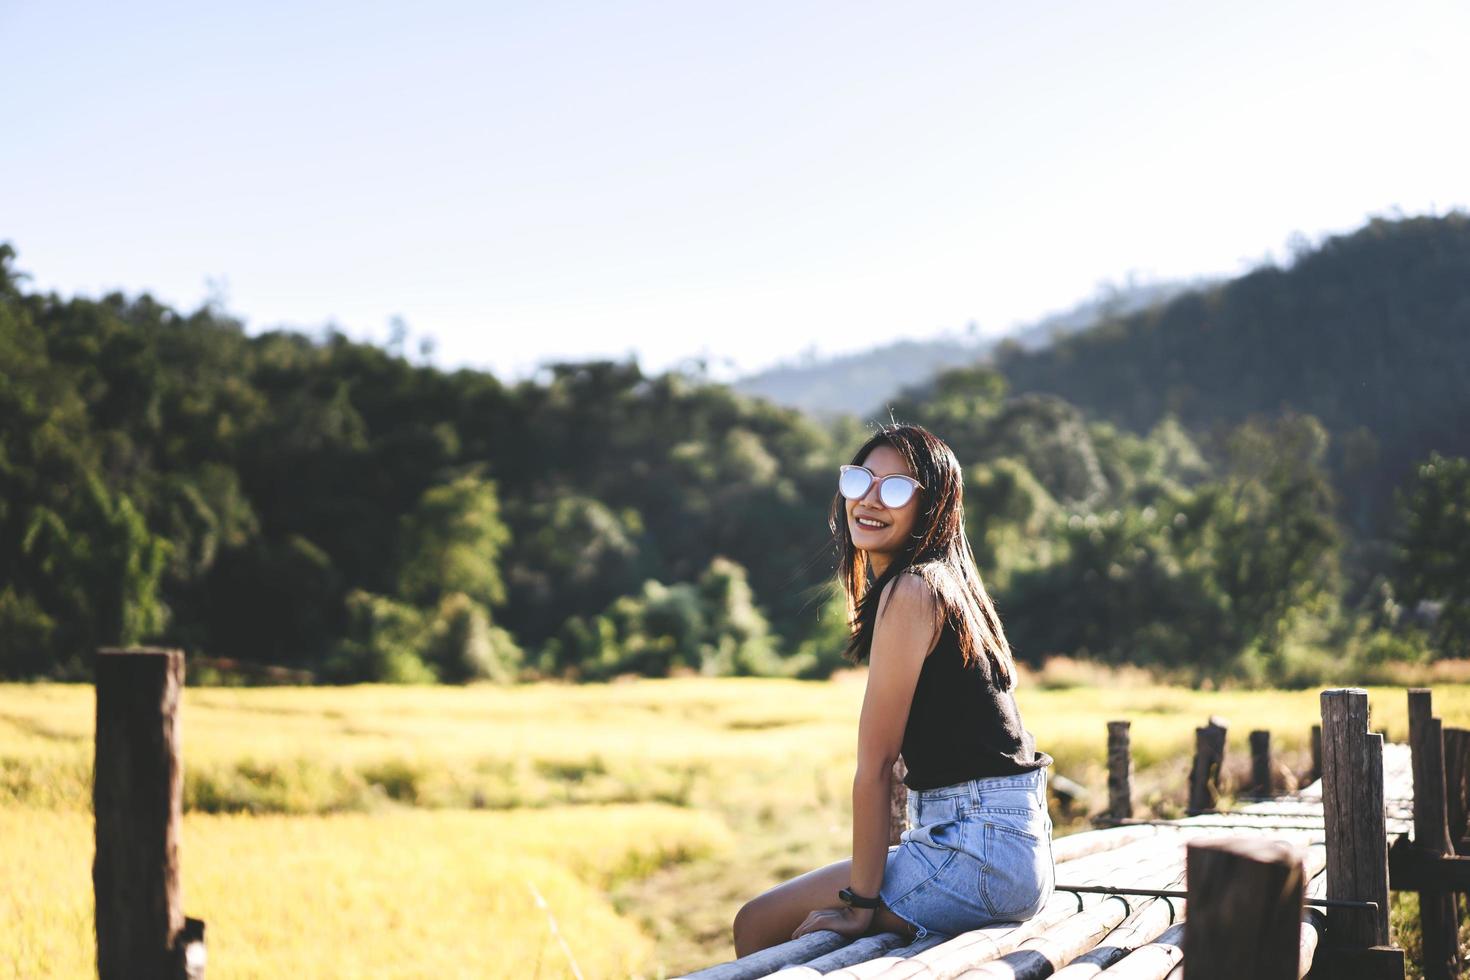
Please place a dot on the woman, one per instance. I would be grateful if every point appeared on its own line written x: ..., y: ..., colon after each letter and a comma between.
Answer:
x: 938, y: 693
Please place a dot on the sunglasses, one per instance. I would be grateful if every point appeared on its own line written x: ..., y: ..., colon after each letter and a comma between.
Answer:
x: 895, y: 490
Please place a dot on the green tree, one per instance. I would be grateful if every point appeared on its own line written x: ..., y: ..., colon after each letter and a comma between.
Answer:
x: 452, y: 543
x: 463, y: 645
x: 1274, y: 539
x: 569, y: 555
x: 276, y: 600
x: 1009, y: 517
x: 736, y: 638
x: 1121, y: 590
x: 1433, y: 547
x: 711, y: 626
x: 820, y: 653
x: 383, y: 643
x: 960, y: 404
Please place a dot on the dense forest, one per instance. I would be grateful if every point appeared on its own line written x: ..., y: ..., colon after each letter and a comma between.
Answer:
x: 1368, y: 332
x: 330, y: 506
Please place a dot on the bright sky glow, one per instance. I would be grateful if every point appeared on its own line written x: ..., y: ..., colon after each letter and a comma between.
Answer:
x: 738, y: 180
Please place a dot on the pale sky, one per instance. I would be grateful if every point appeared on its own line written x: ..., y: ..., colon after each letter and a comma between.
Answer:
x: 739, y: 180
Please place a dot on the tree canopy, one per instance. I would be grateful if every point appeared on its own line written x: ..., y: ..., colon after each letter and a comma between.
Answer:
x: 328, y: 505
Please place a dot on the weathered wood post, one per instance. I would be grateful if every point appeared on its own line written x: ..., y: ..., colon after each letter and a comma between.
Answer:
x: 1245, y: 909
x: 1204, y: 777
x: 1120, y: 771
x: 1356, y: 837
x: 1316, y: 772
x: 1260, y: 763
x: 1437, y: 917
x: 1457, y: 792
x: 898, y: 803
x: 137, y: 799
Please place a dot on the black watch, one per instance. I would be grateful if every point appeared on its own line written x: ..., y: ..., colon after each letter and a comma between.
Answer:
x: 857, y: 901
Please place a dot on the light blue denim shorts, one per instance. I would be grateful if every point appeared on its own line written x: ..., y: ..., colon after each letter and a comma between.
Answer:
x: 975, y: 853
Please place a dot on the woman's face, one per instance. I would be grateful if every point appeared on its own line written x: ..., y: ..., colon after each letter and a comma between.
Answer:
x: 883, y: 460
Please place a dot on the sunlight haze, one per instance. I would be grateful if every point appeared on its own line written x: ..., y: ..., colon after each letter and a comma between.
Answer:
x: 739, y: 181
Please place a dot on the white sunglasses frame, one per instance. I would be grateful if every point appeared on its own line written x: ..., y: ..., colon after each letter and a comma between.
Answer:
x: 872, y: 478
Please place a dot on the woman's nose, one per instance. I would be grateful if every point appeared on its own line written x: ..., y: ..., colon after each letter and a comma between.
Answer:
x: 871, y: 498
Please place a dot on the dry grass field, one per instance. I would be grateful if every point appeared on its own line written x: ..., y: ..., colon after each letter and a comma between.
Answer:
x: 490, y: 831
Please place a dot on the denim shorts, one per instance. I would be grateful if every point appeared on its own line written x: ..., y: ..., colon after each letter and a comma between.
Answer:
x: 975, y: 853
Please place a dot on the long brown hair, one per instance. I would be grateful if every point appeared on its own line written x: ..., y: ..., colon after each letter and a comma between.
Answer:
x: 937, y: 550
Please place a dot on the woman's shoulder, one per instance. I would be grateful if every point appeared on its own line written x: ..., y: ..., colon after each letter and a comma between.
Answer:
x: 912, y: 592
x: 921, y: 597
x: 935, y: 573
x: 925, y: 572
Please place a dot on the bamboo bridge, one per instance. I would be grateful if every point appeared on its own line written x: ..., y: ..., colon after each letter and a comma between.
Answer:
x: 1292, y: 886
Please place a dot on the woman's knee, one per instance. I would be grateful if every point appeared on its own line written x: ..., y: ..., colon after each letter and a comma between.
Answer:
x: 747, y: 927
x: 763, y: 921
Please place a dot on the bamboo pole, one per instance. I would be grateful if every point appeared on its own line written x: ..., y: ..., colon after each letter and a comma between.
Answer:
x: 1152, y: 962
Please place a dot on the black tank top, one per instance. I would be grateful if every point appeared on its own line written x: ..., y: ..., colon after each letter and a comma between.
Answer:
x: 962, y: 725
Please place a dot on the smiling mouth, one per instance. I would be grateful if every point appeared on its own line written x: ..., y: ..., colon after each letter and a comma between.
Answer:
x: 870, y: 525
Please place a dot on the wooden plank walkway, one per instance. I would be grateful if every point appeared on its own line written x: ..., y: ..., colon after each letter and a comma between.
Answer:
x: 1081, y: 934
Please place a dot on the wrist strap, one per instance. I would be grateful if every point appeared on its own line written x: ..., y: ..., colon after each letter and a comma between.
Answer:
x: 858, y: 901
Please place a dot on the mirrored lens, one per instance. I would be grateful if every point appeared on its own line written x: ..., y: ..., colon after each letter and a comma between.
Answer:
x: 895, y: 491
x: 853, y: 483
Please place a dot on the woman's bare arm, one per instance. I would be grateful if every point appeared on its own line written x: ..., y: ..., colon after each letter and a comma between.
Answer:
x: 902, y: 637
x: 906, y: 627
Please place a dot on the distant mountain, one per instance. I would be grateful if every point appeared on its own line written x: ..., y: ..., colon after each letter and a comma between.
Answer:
x: 1369, y: 332
x: 1112, y: 300
x: 858, y: 384
x: 854, y: 384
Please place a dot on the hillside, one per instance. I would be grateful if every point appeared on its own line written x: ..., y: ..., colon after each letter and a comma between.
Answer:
x: 859, y: 384
x: 1369, y: 332
x: 324, y: 505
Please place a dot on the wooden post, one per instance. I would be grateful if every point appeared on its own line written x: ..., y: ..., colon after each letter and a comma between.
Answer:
x: 1245, y: 909
x: 1204, y: 777
x: 898, y: 803
x: 1356, y: 837
x: 1260, y: 763
x: 1437, y: 917
x: 1457, y: 792
x: 1355, y: 831
x: 1316, y: 772
x: 137, y: 797
x: 1120, y: 771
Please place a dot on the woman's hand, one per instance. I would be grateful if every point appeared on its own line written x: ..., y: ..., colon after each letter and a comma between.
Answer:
x: 845, y: 921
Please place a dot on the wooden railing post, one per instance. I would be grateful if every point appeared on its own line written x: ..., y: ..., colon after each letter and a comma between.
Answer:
x: 1260, y: 763
x: 1120, y: 771
x: 1437, y: 915
x: 137, y: 797
x: 1356, y: 833
x: 1457, y: 792
x: 1245, y: 909
x: 1209, y: 756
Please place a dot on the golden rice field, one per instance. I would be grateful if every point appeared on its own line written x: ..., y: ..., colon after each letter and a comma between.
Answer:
x: 487, y: 831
